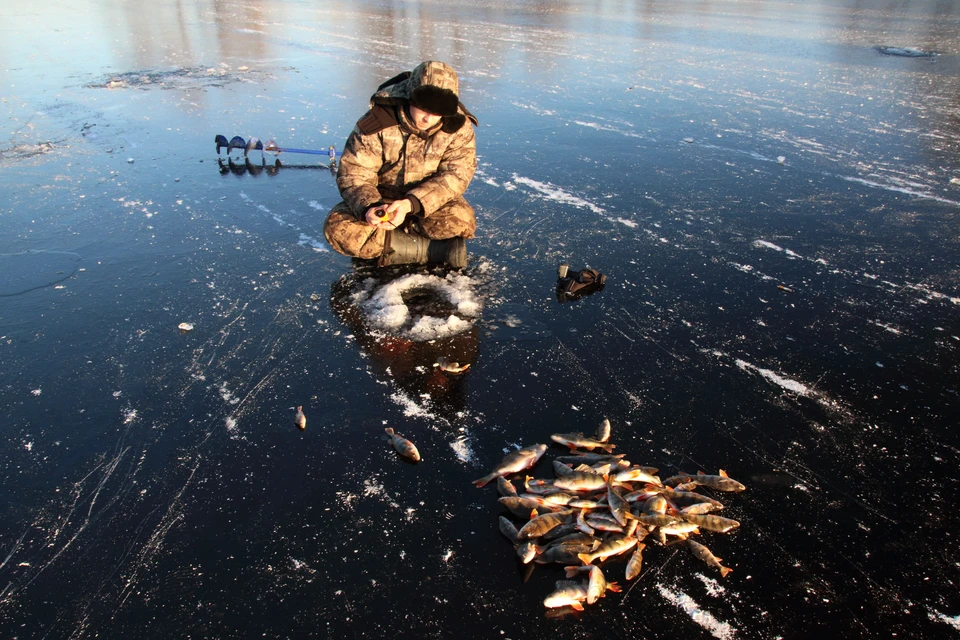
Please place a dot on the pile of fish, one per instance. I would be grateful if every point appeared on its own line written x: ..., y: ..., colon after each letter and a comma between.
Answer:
x: 601, y: 506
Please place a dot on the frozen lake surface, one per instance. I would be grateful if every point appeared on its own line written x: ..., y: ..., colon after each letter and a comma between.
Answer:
x: 772, y: 195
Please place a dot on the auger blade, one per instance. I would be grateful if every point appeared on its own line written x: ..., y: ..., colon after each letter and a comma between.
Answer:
x: 236, y: 142
x: 221, y: 141
x: 253, y: 144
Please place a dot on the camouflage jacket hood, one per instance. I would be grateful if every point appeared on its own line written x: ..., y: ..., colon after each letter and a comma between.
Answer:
x: 438, y: 85
x: 387, y: 157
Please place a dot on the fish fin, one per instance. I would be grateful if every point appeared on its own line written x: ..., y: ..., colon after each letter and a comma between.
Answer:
x: 701, y: 473
x: 723, y: 474
x: 577, y: 606
x: 388, y: 431
x: 533, y: 514
x: 585, y: 558
x: 724, y: 571
x: 484, y: 480
x: 608, y: 447
x: 613, y: 586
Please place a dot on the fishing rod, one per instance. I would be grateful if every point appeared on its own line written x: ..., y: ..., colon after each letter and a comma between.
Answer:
x: 254, y: 144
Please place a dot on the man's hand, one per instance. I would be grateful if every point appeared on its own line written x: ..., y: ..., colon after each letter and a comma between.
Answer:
x: 379, y: 218
x: 389, y: 216
x: 398, y: 210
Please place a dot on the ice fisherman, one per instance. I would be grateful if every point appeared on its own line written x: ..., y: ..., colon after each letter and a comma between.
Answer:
x: 403, y: 173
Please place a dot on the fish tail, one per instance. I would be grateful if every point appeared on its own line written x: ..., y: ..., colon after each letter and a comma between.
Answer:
x: 388, y: 431
x: 609, y: 447
x: 613, y: 586
x: 724, y: 571
x: 484, y: 480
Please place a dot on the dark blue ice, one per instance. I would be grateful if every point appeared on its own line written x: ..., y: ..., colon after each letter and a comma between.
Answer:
x: 774, y: 202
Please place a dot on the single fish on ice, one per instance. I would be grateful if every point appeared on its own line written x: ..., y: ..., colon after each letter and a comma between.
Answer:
x: 403, y: 446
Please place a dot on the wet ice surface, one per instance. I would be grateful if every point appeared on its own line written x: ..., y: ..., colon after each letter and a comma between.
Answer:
x: 774, y: 202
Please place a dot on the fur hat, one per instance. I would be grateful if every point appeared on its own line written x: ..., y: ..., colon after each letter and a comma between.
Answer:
x: 433, y: 87
x: 435, y: 100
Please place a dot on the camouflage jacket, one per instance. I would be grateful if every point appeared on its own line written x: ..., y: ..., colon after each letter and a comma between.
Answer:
x: 387, y: 158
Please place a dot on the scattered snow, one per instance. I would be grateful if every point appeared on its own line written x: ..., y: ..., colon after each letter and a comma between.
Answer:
x: 411, y: 408
x: 386, y: 309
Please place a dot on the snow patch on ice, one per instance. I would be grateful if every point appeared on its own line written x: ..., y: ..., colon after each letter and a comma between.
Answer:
x: 606, y: 127
x: 953, y: 621
x: 714, y: 588
x: 264, y: 209
x: 705, y: 619
x: 749, y: 269
x: 313, y: 243
x: 462, y: 449
x: 911, y: 192
x: 775, y: 378
x: 535, y: 109
x: 769, y: 245
x: 227, y: 395
x: 933, y: 295
x: 888, y: 327
x: 556, y: 194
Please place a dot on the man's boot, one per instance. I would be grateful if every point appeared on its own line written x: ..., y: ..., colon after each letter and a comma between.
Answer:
x: 409, y: 248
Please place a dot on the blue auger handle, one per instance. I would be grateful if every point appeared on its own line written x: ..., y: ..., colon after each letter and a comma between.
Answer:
x: 317, y: 152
